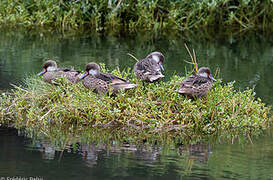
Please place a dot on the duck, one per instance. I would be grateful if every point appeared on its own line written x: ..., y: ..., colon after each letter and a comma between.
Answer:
x: 101, y: 82
x: 51, y: 71
x: 149, y: 68
x: 197, y: 86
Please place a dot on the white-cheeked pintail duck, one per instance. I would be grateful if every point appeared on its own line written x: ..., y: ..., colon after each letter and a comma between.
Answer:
x: 149, y: 68
x: 101, y: 82
x: 50, y: 72
x: 198, y: 85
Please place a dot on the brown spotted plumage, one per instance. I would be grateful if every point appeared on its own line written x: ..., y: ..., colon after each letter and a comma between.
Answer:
x: 197, y: 85
x: 101, y: 82
x: 51, y: 72
x: 149, y: 68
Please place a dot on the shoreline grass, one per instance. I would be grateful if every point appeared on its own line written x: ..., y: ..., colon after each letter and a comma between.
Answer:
x: 156, y: 112
x: 131, y: 16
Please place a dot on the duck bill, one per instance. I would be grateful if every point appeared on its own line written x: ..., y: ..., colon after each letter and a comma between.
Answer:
x: 212, y: 78
x: 161, y: 67
x: 83, y: 75
x: 42, y: 72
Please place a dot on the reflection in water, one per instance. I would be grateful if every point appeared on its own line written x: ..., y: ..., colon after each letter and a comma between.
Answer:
x: 145, y: 156
x: 22, y: 157
x: 247, y: 59
x: 48, y: 152
x: 198, y: 152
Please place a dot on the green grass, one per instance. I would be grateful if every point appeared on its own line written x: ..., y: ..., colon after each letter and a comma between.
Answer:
x: 129, y: 15
x: 154, y: 113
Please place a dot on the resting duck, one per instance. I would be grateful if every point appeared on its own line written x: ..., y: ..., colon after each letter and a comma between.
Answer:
x: 149, y: 68
x: 197, y: 85
x: 101, y: 82
x: 51, y: 72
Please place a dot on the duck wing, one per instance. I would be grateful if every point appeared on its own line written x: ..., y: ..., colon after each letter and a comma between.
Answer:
x: 115, y: 82
x: 188, y: 82
x: 148, y: 66
x: 69, y: 70
x: 200, y: 81
x: 110, y: 78
x: 194, y: 81
x: 195, y: 86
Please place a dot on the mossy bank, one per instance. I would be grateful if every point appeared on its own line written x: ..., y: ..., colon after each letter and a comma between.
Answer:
x: 135, y: 115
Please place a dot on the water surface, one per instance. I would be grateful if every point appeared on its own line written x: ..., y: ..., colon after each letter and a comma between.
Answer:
x: 20, y: 157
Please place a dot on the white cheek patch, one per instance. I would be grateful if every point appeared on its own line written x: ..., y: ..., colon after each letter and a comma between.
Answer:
x: 93, y: 72
x: 156, y: 58
x: 204, y: 75
x: 50, y: 69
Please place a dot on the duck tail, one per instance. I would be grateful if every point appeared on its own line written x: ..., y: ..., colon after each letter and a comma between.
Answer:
x: 182, y: 91
x: 155, y: 77
x: 123, y: 85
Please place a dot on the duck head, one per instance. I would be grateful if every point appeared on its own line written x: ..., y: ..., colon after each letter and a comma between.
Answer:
x: 48, y: 66
x: 158, y: 58
x: 205, y: 72
x: 92, y: 69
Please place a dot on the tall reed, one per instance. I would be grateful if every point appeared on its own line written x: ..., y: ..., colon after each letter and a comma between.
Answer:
x: 131, y: 15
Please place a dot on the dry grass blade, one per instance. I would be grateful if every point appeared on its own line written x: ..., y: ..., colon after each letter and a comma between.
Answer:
x: 217, y: 71
x: 45, y: 114
x: 133, y: 57
x: 17, y: 87
x: 188, y: 62
x: 193, y: 59
x: 250, y: 140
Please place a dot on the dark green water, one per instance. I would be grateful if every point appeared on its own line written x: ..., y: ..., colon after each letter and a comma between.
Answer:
x: 247, y: 59
x: 19, y: 157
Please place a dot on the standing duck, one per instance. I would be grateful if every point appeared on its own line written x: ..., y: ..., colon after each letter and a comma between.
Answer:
x: 197, y: 85
x: 51, y: 72
x: 101, y: 82
x: 149, y: 68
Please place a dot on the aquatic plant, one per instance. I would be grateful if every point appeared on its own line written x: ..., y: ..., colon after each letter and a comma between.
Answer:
x: 128, y: 15
x: 154, y: 113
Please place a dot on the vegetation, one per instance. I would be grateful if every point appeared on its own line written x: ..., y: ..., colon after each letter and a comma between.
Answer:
x: 132, y: 15
x: 154, y: 113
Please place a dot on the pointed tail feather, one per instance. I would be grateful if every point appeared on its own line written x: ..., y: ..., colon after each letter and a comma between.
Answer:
x: 155, y: 77
x: 182, y: 91
x: 123, y: 85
